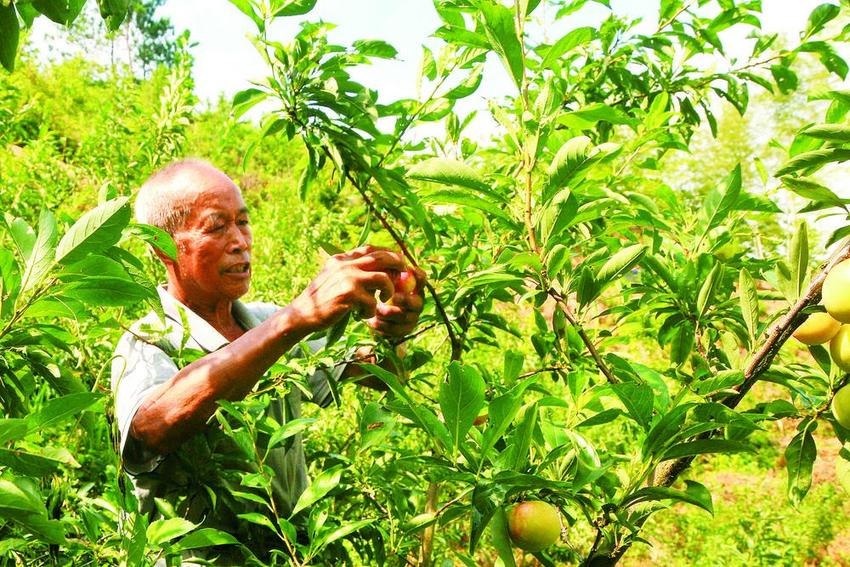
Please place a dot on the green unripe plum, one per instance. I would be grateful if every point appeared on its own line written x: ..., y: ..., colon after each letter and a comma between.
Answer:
x: 819, y: 328
x: 836, y: 292
x: 841, y: 407
x: 839, y: 348
x: 534, y: 525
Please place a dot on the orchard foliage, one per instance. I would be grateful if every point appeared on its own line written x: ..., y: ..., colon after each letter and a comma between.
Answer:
x: 556, y: 246
x: 564, y: 218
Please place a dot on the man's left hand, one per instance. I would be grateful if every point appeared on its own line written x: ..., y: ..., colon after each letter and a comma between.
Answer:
x: 398, y: 316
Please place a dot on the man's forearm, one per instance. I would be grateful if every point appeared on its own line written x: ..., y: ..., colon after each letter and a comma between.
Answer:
x: 181, y: 407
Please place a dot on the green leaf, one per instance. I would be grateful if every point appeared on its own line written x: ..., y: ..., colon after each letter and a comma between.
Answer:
x: 705, y: 446
x: 499, y: 26
x: 375, y: 48
x: 295, y: 8
x: 448, y: 172
x: 501, y: 538
x: 813, y: 191
x: 22, y: 234
x: 620, y: 263
x: 718, y: 206
x: 247, y: 8
x: 36, y: 464
x: 821, y: 16
x: 319, y: 488
x: 205, y: 537
x: 243, y: 101
x: 570, y: 160
x: 573, y: 39
x: 12, y: 429
x: 695, y: 494
x: 157, y: 238
x: 798, y: 258
x: 637, y: 399
x: 21, y: 502
x: 469, y: 85
x: 40, y: 259
x: 455, y: 197
x: 163, y: 531
x: 289, y: 429
x: 800, y: 456
x: 59, y: 409
x: 748, y: 295
x: 60, y: 11
x: 828, y: 56
x: 259, y: 519
x: 9, y: 36
x: 108, y: 291
x: 113, y: 12
x: 10, y: 283
x: 95, y: 231
x: 706, y: 291
x: 343, y: 531
x: 785, y: 78
x: 461, y: 399
x: 814, y: 159
x: 485, y: 502
x: 587, y: 116
x: 830, y: 132
x: 666, y: 429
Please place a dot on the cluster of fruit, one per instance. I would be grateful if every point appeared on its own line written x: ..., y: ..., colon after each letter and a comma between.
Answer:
x: 833, y: 327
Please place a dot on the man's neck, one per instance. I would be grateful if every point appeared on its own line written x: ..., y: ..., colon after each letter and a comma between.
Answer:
x: 219, y: 314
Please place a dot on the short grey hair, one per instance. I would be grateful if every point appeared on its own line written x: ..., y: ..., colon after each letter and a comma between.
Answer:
x: 165, y: 199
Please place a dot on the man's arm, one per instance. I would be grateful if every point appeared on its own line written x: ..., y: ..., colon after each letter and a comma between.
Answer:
x: 181, y: 407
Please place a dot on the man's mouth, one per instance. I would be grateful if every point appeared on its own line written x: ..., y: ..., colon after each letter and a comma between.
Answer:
x: 238, y: 269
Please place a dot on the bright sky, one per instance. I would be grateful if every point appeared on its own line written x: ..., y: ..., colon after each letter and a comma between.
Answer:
x: 226, y: 60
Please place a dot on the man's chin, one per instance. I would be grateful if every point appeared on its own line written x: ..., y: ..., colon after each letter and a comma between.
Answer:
x: 235, y: 290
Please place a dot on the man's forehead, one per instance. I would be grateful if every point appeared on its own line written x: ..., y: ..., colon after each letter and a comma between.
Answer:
x: 215, y: 213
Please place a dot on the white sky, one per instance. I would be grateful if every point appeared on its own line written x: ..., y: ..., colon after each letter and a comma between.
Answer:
x: 226, y: 60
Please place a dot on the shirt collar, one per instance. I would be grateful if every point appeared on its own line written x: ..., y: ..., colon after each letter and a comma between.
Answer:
x: 200, y: 330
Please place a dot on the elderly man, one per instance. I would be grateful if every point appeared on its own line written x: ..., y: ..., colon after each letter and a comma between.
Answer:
x: 174, y: 457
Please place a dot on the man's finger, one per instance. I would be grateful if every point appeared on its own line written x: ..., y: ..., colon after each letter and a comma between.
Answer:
x: 366, y: 305
x: 380, y: 261
x: 377, y: 281
x: 358, y: 252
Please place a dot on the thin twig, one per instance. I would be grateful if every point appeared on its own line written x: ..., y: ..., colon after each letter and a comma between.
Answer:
x: 591, y: 348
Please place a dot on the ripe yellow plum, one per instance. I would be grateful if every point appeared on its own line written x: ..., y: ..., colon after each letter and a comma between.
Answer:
x: 819, y: 328
x: 836, y: 292
x: 839, y: 348
x: 841, y: 406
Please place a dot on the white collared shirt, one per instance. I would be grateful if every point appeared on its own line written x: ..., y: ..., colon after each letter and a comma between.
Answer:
x: 142, y: 363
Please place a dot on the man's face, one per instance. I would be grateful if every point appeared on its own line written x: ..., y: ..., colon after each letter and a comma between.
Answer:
x: 214, y: 245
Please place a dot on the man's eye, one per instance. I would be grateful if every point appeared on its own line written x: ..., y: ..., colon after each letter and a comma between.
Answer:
x: 217, y: 228
x: 243, y: 222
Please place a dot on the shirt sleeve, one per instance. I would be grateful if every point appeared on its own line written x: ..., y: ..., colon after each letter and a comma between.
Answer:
x: 137, y: 369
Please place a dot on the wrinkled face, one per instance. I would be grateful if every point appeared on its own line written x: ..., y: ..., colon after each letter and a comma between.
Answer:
x: 214, y: 245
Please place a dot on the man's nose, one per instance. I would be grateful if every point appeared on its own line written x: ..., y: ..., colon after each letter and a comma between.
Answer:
x: 239, y: 241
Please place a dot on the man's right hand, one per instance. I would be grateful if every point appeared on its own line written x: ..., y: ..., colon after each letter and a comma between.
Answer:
x: 347, y: 283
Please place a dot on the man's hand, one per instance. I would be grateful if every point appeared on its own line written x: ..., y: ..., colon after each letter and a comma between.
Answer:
x: 400, y: 314
x: 347, y: 283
